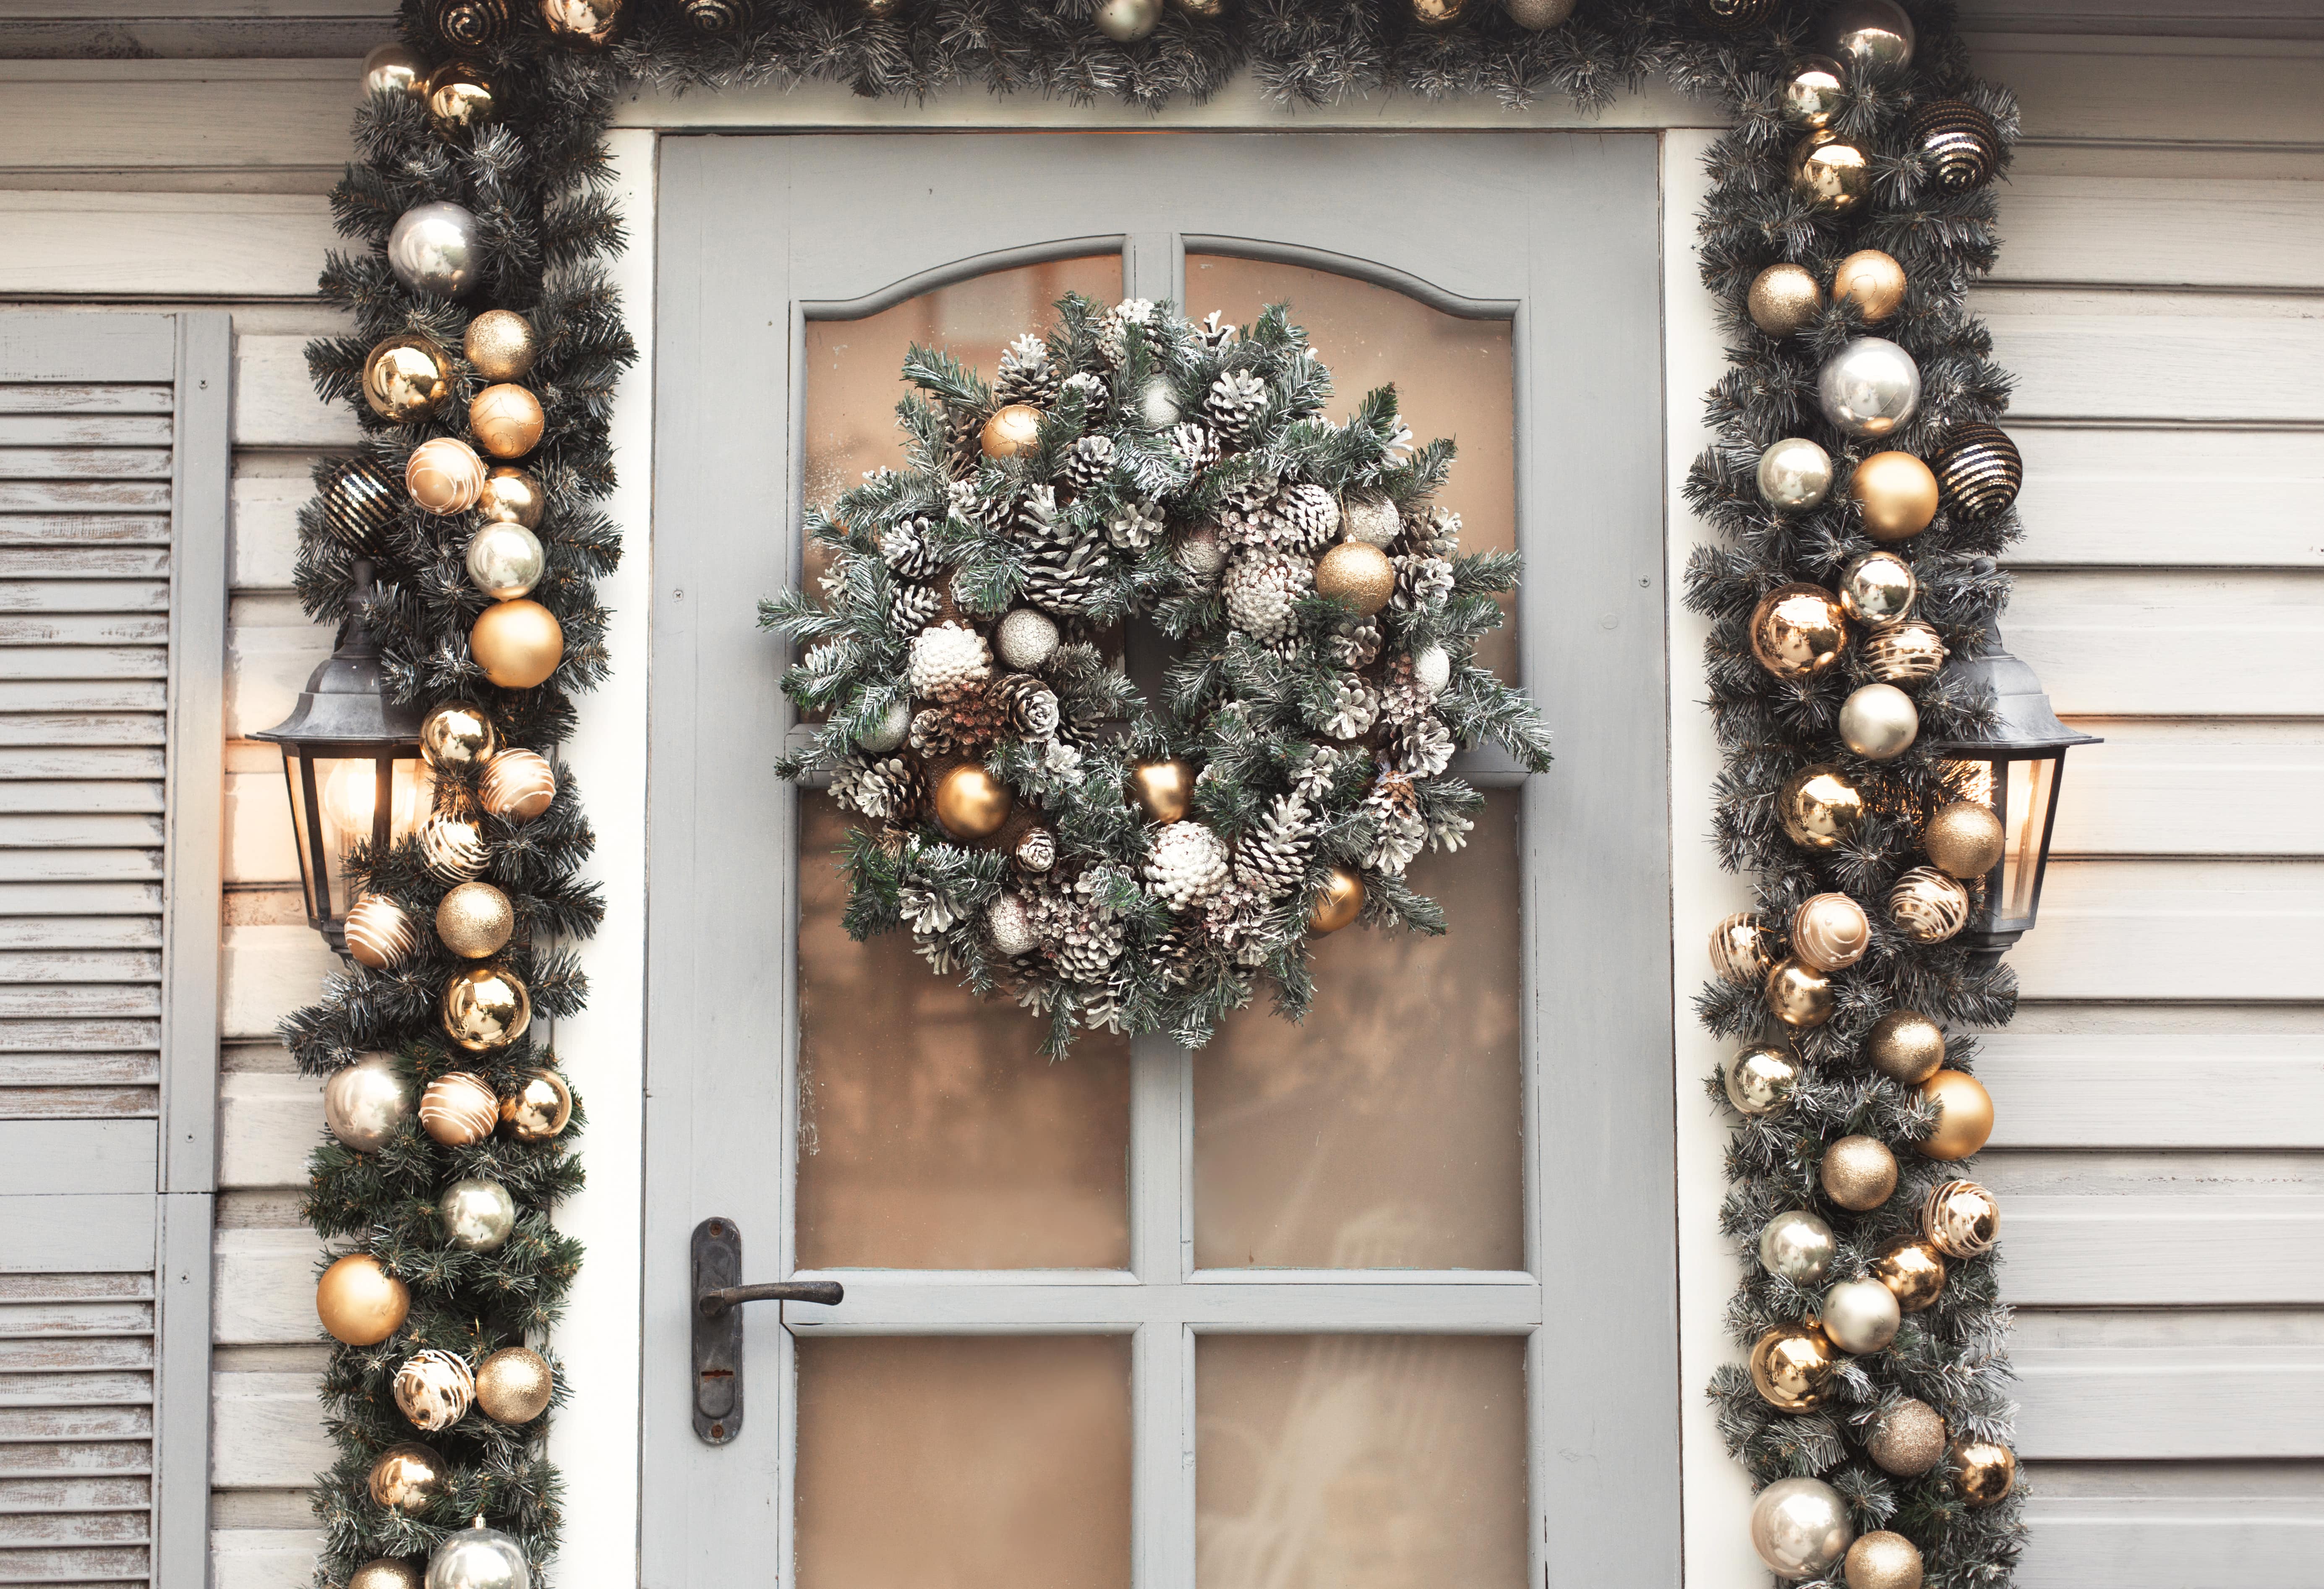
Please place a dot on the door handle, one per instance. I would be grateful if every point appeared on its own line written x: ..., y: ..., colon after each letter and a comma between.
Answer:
x: 718, y: 1319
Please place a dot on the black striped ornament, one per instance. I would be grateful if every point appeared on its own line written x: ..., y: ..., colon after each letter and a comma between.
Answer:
x: 465, y: 24
x: 1959, y: 142
x: 1730, y: 16
x: 359, y: 501
x: 1978, y: 469
x: 715, y: 19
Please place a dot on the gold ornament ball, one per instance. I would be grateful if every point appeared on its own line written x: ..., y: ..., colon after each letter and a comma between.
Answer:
x: 1434, y: 15
x: 583, y: 24
x: 513, y: 496
x: 1533, y: 16
x: 1163, y: 790
x: 1913, y: 1270
x: 485, y: 1007
x: 443, y: 475
x: 1882, y: 1560
x: 1858, y: 1173
x: 1879, y: 722
x: 1811, y: 93
x: 1340, y: 902
x: 475, y: 919
x: 1799, y: 996
x: 502, y: 345
x: 1877, y: 589
x: 360, y: 1302
x: 1832, y: 174
x: 380, y: 935
x: 1872, y: 280
x: 514, y: 1385
x: 1898, y: 495
x: 407, y: 1478
x: 1908, y: 1440
x: 1361, y: 575
x: 458, y: 734
x: 1798, y: 630
x: 1818, y: 808
x: 517, y: 785
x: 506, y: 421
x: 1926, y: 905
x: 1014, y: 430
x: 458, y: 1109
x: 1875, y: 33
x: 452, y: 850
x: 1961, y: 1219
x: 1830, y: 933
x: 458, y: 98
x: 1964, y: 1115
x: 518, y: 644
x: 1792, y: 1367
x: 1783, y: 298
x: 1906, y: 1046
x: 1207, y: 10
x: 405, y: 378
x: 1984, y: 1471
x: 433, y: 1390
x: 539, y: 1110
x: 1964, y: 840
x: 1760, y: 1081
x: 1904, y: 653
x: 1742, y: 950
x: 971, y: 803
x: 387, y: 1573
x: 392, y: 70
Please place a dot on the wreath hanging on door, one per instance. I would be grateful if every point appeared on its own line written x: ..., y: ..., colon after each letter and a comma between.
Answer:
x: 1037, y: 826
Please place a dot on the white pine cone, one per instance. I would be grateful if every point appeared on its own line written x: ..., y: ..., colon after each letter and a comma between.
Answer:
x: 1401, y: 698
x: 1422, y: 583
x: 1214, y: 333
x: 1134, y: 526
x: 1354, y: 645
x: 1400, y: 839
x: 1423, y: 747
x: 1196, y: 443
x: 947, y: 659
x: 1234, y: 403
x: 914, y: 607
x: 927, y: 910
x: 1188, y: 864
x: 1114, y: 331
x: 1435, y: 532
x: 1450, y: 833
x: 1068, y: 580
x: 885, y: 788
x: 1262, y: 588
x: 1037, y: 517
x: 1308, y: 517
x: 993, y: 513
x: 904, y: 548
x: 1354, y: 710
x: 1096, y: 396
x: 1235, y: 919
x: 1091, y: 462
x: 1026, y: 374
x: 1313, y: 780
x: 1271, y: 859
x: 1028, y: 707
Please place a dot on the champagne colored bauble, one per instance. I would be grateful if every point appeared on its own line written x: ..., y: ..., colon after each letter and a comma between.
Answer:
x: 387, y: 1573
x: 1904, y: 653
x: 380, y: 933
x: 1125, y: 22
x: 1760, y: 1081
x: 1830, y: 933
x: 407, y: 1478
x: 1983, y: 1471
x: 1913, y: 1270
x: 502, y: 345
x: 433, y: 1390
x: 1162, y: 789
x: 506, y: 421
x: 452, y: 850
x: 1373, y: 521
x: 405, y: 378
x: 1358, y: 574
x: 513, y: 496
x: 1958, y: 142
x: 434, y: 248
x: 359, y: 501
x: 1339, y: 903
x: 1961, y: 1219
x: 458, y: 98
x: 518, y: 644
x: 1797, y: 1246
x: 1897, y: 494
x: 1963, y: 839
x: 1783, y: 298
x: 1964, y: 1115
x: 465, y: 24
x: 1798, y: 996
x: 504, y: 561
x: 518, y: 785
x: 1979, y: 469
x: 394, y: 70
x: 1926, y: 905
x: 583, y: 24
x: 971, y: 803
x: 539, y: 1110
x: 1013, y: 431
x: 479, y: 1558
x: 478, y: 1216
x: 1730, y: 16
x: 1882, y: 1560
x: 1869, y: 388
x: 1860, y: 1316
x: 1818, y: 808
x: 514, y: 1385
x: 475, y: 919
x: 1811, y: 93
x: 1533, y: 16
x: 1792, y: 1367
x: 459, y: 1109
x: 443, y: 475
x: 1831, y: 175
x: 1026, y: 638
x: 360, y: 1302
x: 1879, y: 721
x: 486, y: 1007
x: 1434, y: 15
x: 1858, y: 1173
x: 895, y: 725
x: 1200, y: 552
x: 1742, y: 950
x: 1795, y: 476
x: 365, y: 1103
x: 1906, y: 1046
x: 1877, y: 589
x: 457, y: 733
x: 1869, y: 32
x: 1872, y: 280
x: 1908, y: 1440
x: 1798, y: 630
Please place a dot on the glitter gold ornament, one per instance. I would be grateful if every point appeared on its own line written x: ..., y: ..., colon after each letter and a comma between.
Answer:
x: 443, y: 475
x: 485, y: 1007
x: 514, y: 1385
x: 1340, y: 902
x: 1162, y: 789
x: 1913, y: 1270
x: 458, y: 98
x: 1436, y: 14
x: 1872, y: 280
x: 1904, y: 653
x: 518, y: 785
x: 1798, y: 996
x: 459, y: 1108
x: 1908, y: 1440
x: 1963, y: 839
x: 452, y: 850
x: 365, y: 1103
x: 393, y: 70
x: 1818, y: 808
x: 1859, y: 1315
x: 1798, y: 630
x: 1014, y: 430
x: 387, y: 1573
x: 518, y: 644
x: 1792, y: 1367
x: 1906, y: 1046
x: 511, y: 496
x: 475, y: 919
x: 1742, y: 950
x: 360, y: 1302
x: 1877, y: 589
x: 1879, y: 721
x: 1979, y: 470
x: 1783, y: 298
x: 504, y: 561
x: 405, y: 378
x: 478, y: 1216
x: 1897, y: 494
x: 1833, y: 175
x: 457, y: 733
x: 583, y: 24
x: 1983, y: 1471
x: 1884, y: 1559
x: 1793, y: 475
x: 1358, y: 574
x: 1830, y: 933
x: 1858, y: 1172
x: 970, y: 802
x: 1960, y: 1218
x: 539, y: 1110
x: 506, y: 421
x: 1801, y: 1528
x: 407, y: 1478
x: 379, y: 933
x: 1964, y: 1115
x: 1927, y: 906
x: 1760, y: 1081
x: 502, y: 345
x: 1797, y: 1246
x: 1958, y: 142
x: 1811, y: 93
x: 433, y: 1390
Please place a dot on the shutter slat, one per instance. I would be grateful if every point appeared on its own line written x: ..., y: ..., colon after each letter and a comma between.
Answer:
x: 93, y: 831
x: 83, y: 561
x: 77, y: 529
x: 84, y: 430
x: 85, y: 628
x: 79, y: 1103
x: 84, y: 496
x: 95, y: 1070
x: 59, y: 397
x: 68, y: 661
x: 92, y: 1036
x: 19, y: 695
x: 63, y: 595
x: 84, y: 463
x: 97, y: 933
x: 76, y: 1427
x: 45, y: 763
x: 29, y: 727
x: 43, y: 799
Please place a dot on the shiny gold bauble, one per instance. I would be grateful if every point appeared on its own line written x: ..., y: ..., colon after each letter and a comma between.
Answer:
x: 1904, y: 653
x: 971, y: 803
x: 452, y: 850
x: 1742, y: 950
x: 1879, y: 721
x: 1832, y: 174
x: 1898, y: 495
x: 1798, y: 630
x: 433, y: 1390
x: 1812, y: 92
x: 1760, y: 1081
x: 1207, y: 10
x: 1961, y: 1219
x: 1913, y: 1270
x: 1871, y: 33
x: 407, y: 1478
x: 1799, y: 996
x: 1818, y: 808
x: 458, y: 734
x: 1964, y: 1115
x: 1983, y: 1471
x: 506, y: 421
x: 475, y: 919
x: 1872, y: 280
x: 1906, y: 1046
x: 583, y: 24
x: 380, y: 933
x: 539, y: 1110
x: 387, y: 1573
x: 1358, y: 574
x: 1882, y: 1560
x: 1926, y: 905
x: 1792, y: 1367
x: 459, y: 1109
x: 1830, y: 933
x: 485, y: 1007
x: 1162, y: 789
x: 518, y: 644
x: 1963, y: 839
x: 517, y: 785
x: 458, y: 98
x: 1908, y: 1440
x: 514, y: 1385
x: 1783, y: 298
x: 1877, y: 589
x: 392, y: 70
x: 1858, y: 1173
x: 443, y: 475
x: 1014, y: 430
x: 513, y: 496
x: 360, y: 1302
x: 405, y: 378
x: 1437, y: 14
x: 502, y: 345
x: 1340, y: 903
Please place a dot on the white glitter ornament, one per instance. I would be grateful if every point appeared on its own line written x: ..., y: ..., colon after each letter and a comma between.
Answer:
x: 945, y: 660
x: 1010, y: 928
x: 1431, y: 670
x: 1157, y: 405
x: 1372, y: 520
x: 1189, y: 864
x: 1027, y: 639
x: 893, y: 725
x: 1200, y: 553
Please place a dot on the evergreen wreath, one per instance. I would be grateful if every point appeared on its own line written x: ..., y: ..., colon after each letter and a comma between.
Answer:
x: 1136, y: 464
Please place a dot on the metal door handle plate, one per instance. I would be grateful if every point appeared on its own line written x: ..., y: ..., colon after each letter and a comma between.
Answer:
x: 718, y: 1297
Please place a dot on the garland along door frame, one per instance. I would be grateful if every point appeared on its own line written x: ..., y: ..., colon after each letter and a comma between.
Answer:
x: 1557, y: 233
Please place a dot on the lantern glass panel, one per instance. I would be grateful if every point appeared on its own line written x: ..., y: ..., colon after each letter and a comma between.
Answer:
x: 337, y: 802
x: 2031, y: 788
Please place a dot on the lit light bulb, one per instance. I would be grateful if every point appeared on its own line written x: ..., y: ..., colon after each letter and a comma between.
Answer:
x: 351, y: 799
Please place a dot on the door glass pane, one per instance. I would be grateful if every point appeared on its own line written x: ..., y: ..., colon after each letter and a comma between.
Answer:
x: 1384, y: 1131
x: 979, y: 1462
x: 1360, y: 1462
x: 1453, y: 375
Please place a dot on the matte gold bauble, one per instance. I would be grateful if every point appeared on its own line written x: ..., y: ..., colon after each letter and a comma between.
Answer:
x: 1858, y: 1173
x: 1961, y: 1219
x: 1358, y: 574
x: 1878, y: 723
x: 475, y: 919
x: 443, y: 475
x: 511, y: 496
x: 1908, y: 1440
x: 1926, y: 905
x: 502, y: 345
x: 1906, y: 1046
x: 387, y: 1573
x: 514, y: 1385
x: 518, y: 644
x: 539, y: 1110
x: 394, y: 70
x: 1811, y: 93
x: 506, y: 421
x: 1913, y: 1270
x: 1792, y: 1367
x: 1742, y: 950
x: 1872, y: 280
x: 360, y: 1302
x: 459, y: 98
x: 583, y: 24
x: 1877, y: 589
x: 405, y: 378
x: 1964, y: 1115
x: 458, y: 734
x: 1882, y: 1560
x: 458, y: 1109
x: 1340, y: 902
x: 1831, y: 174
x: 433, y: 1390
x: 1798, y: 996
x: 380, y: 935
x: 1014, y: 430
x: 1798, y: 630
x: 1783, y: 298
x: 518, y: 785
x: 486, y: 1007
x: 1898, y: 495
x: 407, y: 1478
x: 1830, y: 933
x: 971, y: 803
x: 1818, y: 808
x: 1760, y: 1081
x: 1434, y: 15
x: 1983, y: 1471
x: 1963, y: 839
x: 1904, y: 653
x: 1162, y: 789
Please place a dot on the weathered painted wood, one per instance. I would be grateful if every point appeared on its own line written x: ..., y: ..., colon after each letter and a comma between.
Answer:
x: 161, y: 113
x: 268, y: 971
x: 271, y: 649
x: 81, y: 397
x: 2219, y: 643
x: 2221, y: 1404
x: 78, y: 348
x: 2213, y: 932
x: 115, y: 931
x: 267, y: 1125
x: 264, y: 1558
x: 78, y: 1102
x: 105, y: 596
x: 82, y: 496
x: 2156, y: 787
x: 275, y: 405
x: 2221, y: 1250
x: 178, y: 245
x: 265, y: 1287
x: 76, y: 1069
x: 2093, y: 354
x: 116, y: 831
x: 29, y: 462
x: 79, y: 1231
x: 2129, y: 496
x: 2151, y: 90
x: 54, y: 1320
x: 76, y: 1156
x: 2133, y: 1090
x: 2169, y: 1544
x: 267, y: 1432
x: 266, y: 519
x: 57, y: 530
x: 96, y: 628
x: 25, y: 428
x: 259, y: 847
x: 93, y: 796
x: 2089, y: 229
x: 132, y: 999
x: 92, y: 661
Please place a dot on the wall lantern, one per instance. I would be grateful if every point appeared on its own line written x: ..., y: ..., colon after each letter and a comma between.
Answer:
x: 352, y: 760
x: 2014, y: 771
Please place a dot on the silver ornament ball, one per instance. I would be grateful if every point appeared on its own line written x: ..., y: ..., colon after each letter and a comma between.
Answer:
x: 1869, y: 388
x: 1877, y: 589
x: 365, y: 1103
x: 1795, y: 476
x: 1797, y: 1246
x: 893, y: 725
x: 1879, y: 721
x: 1432, y: 669
x: 1009, y: 927
x: 505, y: 561
x: 478, y: 1215
x: 1125, y: 22
x: 1800, y: 1527
x: 1200, y: 553
x: 479, y: 1559
x: 433, y: 248
x: 1026, y: 638
x: 1373, y: 520
x: 1860, y: 1315
x: 1870, y: 32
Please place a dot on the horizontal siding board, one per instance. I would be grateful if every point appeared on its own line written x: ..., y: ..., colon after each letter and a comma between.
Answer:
x: 240, y: 245
x: 2215, y: 932
x: 2220, y: 1089
x: 275, y: 405
x: 264, y: 1293
x: 2225, y: 233
x: 270, y: 971
x: 267, y: 1432
x: 2154, y: 788
x: 2068, y: 1250
x: 2091, y: 355
x: 264, y: 1558
x: 267, y: 1125
x: 2159, y: 90
x: 266, y: 521
x: 2169, y: 1545
x: 164, y: 114
x: 2219, y: 643
x: 2128, y: 495
x: 2206, y: 1404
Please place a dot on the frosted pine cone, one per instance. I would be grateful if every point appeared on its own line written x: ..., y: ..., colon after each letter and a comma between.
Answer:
x: 1423, y: 747
x: 1271, y: 858
x: 1082, y: 937
x: 1422, y: 583
x: 945, y: 660
x: 1096, y: 396
x: 1027, y: 707
x: 1313, y: 782
x: 1262, y: 590
x: 1235, y: 402
x: 1197, y: 443
x: 1308, y: 517
x: 1188, y: 864
x: 1401, y: 698
x: 1134, y: 526
x: 912, y: 607
x: 994, y: 512
x: 1113, y: 333
x: 1353, y: 709
x: 1235, y: 919
x: 924, y: 909
x: 1091, y: 462
x: 1068, y: 579
x: 1036, y: 519
x: 885, y: 788
x: 1434, y: 532
x: 904, y: 548
x: 964, y: 440
x: 1214, y: 333
x: 1026, y: 374
x: 1355, y: 644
